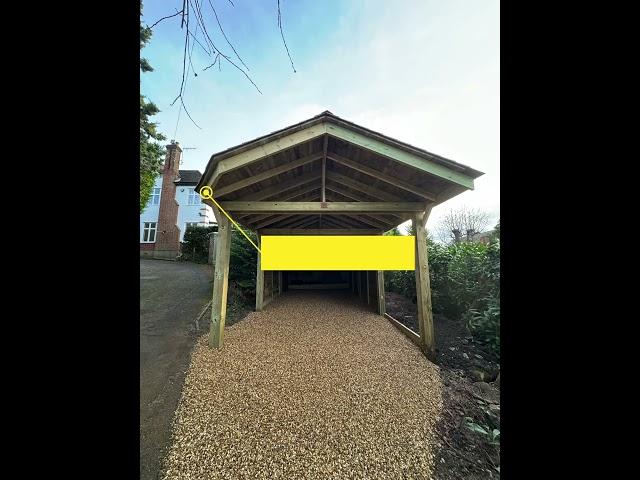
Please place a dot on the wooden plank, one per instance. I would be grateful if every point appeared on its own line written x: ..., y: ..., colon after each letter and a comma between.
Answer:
x: 259, y: 282
x: 281, y: 187
x: 220, y: 282
x: 324, y: 165
x: 327, y: 231
x: 331, y: 208
x: 400, y: 155
x: 248, y: 218
x: 381, y: 301
x: 271, y: 148
x: 396, y: 182
x: 271, y: 220
x: 413, y: 336
x: 386, y: 222
x: 245, y: 182
x: 354, y: 196
x: 362, y: 187
x: 423, y: 289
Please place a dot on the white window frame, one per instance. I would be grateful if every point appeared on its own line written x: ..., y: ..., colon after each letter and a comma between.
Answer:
x: 149, y: 229
x: 194, y: 197
x: 155, y: 197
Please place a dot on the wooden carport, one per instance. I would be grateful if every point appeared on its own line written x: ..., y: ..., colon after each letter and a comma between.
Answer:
x: 328, y: 176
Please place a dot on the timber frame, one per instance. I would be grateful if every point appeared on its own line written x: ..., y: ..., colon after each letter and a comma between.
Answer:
x: 329, y: 176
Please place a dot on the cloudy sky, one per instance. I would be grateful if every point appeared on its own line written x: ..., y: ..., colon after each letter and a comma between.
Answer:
x: 425, y: 72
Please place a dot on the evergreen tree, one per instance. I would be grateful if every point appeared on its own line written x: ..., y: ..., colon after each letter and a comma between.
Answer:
x: 151, y: 153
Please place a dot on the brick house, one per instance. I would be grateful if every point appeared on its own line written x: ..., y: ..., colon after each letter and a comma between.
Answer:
x: 173, y: 206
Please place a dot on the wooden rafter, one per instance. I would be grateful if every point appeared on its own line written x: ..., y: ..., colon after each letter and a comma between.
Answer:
x: 281, y: 187
x: 451, y: 174
x: 291, y: 196
x: 362, y: 187
x: 272, y: 172
x: 324, y: 165
x: 396, y: 182
x: 321, y: 231
x: 330, y: 208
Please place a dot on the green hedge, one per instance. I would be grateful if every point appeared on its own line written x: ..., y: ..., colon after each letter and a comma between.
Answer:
x: 465, y: 285
x: 195, y: 244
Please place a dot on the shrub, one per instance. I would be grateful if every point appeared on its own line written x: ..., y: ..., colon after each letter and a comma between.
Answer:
x: 465, y: 285
x: 243, y: 262
x: 195, y: 245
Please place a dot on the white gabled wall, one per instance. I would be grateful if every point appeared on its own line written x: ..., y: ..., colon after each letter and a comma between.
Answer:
x: 151, y: 212
x: 201, y: 213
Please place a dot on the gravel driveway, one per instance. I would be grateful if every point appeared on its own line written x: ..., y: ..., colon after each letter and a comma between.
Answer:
x: 314, y: 386
x: 172, y: 294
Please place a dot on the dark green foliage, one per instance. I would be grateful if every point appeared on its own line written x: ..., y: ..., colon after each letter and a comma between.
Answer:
x: 244, y: 260
x: 151, y: 153
x: 465, y: 285
x: 195, y: 245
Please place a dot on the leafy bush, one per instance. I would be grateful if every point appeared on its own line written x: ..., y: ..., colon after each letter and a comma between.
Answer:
x: 465, y: 285
x: 243, y: 262
x: 195, y: 245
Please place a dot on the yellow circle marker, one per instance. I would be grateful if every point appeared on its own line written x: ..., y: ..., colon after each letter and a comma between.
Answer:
x: 206, y: 192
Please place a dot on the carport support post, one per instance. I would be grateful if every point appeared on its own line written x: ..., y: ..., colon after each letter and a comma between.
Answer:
x: 220, y: 282
x: 423, y: 287
x: 381, y: 305
x: 259, y: 282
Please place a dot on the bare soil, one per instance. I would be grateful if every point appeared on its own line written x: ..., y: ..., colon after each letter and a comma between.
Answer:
x: 469, y: 390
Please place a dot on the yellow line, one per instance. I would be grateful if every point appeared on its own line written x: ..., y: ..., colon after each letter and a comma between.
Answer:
x: 208, y: 196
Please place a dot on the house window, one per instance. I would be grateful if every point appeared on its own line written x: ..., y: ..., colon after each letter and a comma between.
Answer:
x: 149, y: 232
x: 155, y: 196
x: 194, y: 197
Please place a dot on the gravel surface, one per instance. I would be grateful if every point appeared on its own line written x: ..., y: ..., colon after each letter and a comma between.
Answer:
x: 314, y: 386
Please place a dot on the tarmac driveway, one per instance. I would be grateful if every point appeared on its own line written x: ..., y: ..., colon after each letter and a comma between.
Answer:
x: 172, y: 295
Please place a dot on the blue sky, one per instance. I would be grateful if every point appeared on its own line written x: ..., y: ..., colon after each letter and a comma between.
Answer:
x: 425, y: 72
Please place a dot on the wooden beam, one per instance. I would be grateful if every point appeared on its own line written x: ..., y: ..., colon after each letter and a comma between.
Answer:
x: 370, y: 143
x: 245, y: 182
x: 265, y: 150
x: 362, y: 187
x: 423, y: 289
x: 281, y: 187
x: 396, y: 182
x: 324, y: 164
x: 381, y: 302
x: 259, y: 282
x: 413, y: 336
x: 252, y: 218
x: 330, y: 208
x: 387, y: 222
x: 271, y: 220
x: 325, y: 231
x: 220, y: 281
x: 333, y: 223
x: 354, y: 196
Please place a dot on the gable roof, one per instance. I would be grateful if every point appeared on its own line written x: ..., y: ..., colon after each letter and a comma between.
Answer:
x: 188, y: 177
x: 329, y: 153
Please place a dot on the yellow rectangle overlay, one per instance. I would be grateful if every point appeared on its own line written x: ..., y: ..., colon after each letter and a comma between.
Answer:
x: 319, y: 252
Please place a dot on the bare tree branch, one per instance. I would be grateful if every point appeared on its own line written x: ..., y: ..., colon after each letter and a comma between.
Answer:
x: 462, y: 223
x: 164, y: 18
x: 225, y: 36
x: 282, y: 35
